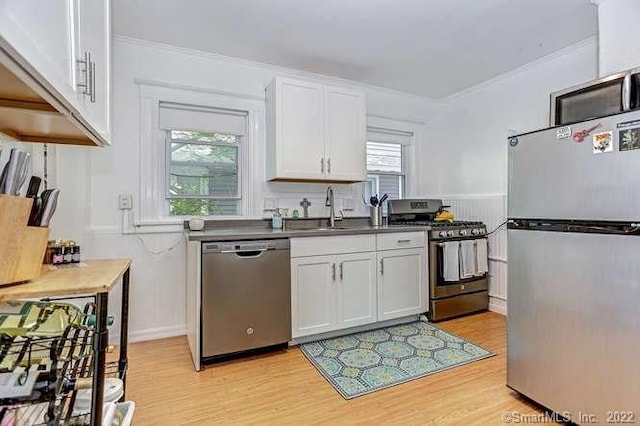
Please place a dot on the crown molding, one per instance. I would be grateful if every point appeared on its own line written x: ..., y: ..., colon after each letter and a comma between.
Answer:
x: 270, y: 67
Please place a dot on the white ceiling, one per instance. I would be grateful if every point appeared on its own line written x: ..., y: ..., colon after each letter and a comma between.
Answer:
x: 432, y: 48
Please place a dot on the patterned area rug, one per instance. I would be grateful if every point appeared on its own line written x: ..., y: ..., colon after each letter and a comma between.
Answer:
x: 365, y: 362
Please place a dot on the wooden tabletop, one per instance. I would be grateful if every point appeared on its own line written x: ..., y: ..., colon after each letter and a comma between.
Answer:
x: 89, y: 277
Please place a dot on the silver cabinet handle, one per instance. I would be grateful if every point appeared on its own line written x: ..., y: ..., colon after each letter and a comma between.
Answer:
x: 322, y: 165
x: 89, y: 85
x: 381, y: 266
x: 92, y: 80
x: 329, y: 165
x: 334, y: 271
x: 341, y: 270
x: 403, y: 241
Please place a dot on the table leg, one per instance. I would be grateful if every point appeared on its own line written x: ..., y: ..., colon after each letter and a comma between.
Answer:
x: 124, y: 333
x: 99, y: 357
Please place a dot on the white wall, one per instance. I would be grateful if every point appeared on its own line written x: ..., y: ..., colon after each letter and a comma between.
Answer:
x: 619, y: 35
x: 91, y: 179
x: 468, y: 141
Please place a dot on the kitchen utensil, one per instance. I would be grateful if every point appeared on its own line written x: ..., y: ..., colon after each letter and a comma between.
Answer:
x: 582, y: 134
x: 34, y: 187
x: 375, y: 214
x: 14, y: 172
x: 45, y: 212
x: 374, y: 200
x: 32, y: 192
x: 383, y: 199
x: 23, y: 168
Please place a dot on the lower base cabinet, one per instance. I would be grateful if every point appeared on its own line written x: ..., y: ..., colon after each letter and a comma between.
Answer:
x: 339, y: 282
x: 332, y: 292
x: 401, y: 283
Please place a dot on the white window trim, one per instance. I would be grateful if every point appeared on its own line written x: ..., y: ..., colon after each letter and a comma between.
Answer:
x: 411, y: 147
x: 151, y: 202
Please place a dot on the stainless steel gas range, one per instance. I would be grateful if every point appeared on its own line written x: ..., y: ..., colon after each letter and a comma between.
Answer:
x: 458, y: 272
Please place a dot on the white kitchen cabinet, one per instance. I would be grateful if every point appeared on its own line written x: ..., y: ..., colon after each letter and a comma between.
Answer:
x: 356, y: 289
x: 402, y: 288
x: 94, y: 40
x: 315, y: 132
x: 43, y: 33
x: 345, y: 134
x: 332, y: 292
x: 313, y: 295
x: 50, y: 42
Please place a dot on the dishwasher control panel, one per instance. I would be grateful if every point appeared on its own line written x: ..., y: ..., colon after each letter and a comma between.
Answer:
x: 235, y: 246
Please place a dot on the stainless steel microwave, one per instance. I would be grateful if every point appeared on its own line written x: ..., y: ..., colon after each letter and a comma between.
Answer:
x: 606, y: 96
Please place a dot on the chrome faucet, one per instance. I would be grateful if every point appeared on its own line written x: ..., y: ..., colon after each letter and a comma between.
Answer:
x: 330, y: 202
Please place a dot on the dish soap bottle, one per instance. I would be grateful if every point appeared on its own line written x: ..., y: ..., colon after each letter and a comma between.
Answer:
x: 276, y: 220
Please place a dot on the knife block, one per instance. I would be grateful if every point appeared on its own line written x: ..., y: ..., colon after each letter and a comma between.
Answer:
x: 22, y: 247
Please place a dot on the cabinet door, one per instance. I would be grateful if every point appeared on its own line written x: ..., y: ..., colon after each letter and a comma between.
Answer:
x: 94, y: 38
x: 356, y: 288
x: 299, y: 130
x: 401, y: 283
x: 43, y: 35
x: 345, y: 130
x: 313, y: 295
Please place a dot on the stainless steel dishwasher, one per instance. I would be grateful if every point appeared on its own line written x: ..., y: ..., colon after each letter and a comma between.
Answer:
x: 246, y: 295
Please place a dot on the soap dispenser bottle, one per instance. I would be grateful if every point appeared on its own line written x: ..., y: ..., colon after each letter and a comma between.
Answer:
x: 276, y: 220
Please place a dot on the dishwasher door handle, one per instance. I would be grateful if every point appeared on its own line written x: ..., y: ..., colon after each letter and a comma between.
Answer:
x: 248, y: 254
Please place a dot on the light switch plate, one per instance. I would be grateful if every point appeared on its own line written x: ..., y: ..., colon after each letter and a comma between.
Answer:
x: 270, y: 204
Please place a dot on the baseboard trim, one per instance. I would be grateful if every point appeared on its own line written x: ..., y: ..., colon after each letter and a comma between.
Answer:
x: 498, y: 305
x: 150, y: 334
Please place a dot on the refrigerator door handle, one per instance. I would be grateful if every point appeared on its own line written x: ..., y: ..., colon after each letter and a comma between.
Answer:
x: 626, y: 92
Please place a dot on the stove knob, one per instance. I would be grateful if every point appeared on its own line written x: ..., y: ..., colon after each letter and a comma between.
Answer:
x: 483, y: 231
x: 475, y: 231
x: 450, y: 233
x: 442, y: 234
x: 463, y: 232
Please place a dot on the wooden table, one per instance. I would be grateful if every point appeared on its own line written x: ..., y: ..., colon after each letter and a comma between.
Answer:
x: 91, y: 277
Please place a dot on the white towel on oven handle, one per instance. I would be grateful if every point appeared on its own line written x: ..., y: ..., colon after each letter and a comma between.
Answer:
x: 482, y: 259
x: 451, y: 261
x: 467, y: 258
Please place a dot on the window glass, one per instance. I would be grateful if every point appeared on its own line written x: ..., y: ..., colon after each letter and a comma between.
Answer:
x: 204, y: 170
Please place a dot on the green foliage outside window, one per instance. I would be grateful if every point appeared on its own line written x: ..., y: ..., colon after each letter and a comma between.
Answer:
x: 203, y: 167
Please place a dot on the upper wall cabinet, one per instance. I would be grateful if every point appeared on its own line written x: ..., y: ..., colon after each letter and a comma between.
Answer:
x: 315, y: 132
x: 55, y: 69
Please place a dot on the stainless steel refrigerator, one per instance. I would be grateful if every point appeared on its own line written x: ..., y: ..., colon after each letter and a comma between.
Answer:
x: 574, y: 268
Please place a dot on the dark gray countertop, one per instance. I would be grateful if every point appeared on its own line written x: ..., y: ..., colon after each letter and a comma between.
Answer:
x: 293, y: 228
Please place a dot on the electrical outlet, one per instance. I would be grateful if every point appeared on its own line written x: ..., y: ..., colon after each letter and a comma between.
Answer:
x: 270, y: 204
x: 125, y: 201
x: 347, y: 203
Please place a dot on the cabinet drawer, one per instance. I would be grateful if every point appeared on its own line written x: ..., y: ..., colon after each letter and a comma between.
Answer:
x: 400, y: 240
x: 319, y: 246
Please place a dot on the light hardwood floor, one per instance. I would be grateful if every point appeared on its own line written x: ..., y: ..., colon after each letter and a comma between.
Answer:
x: 284, y: 388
